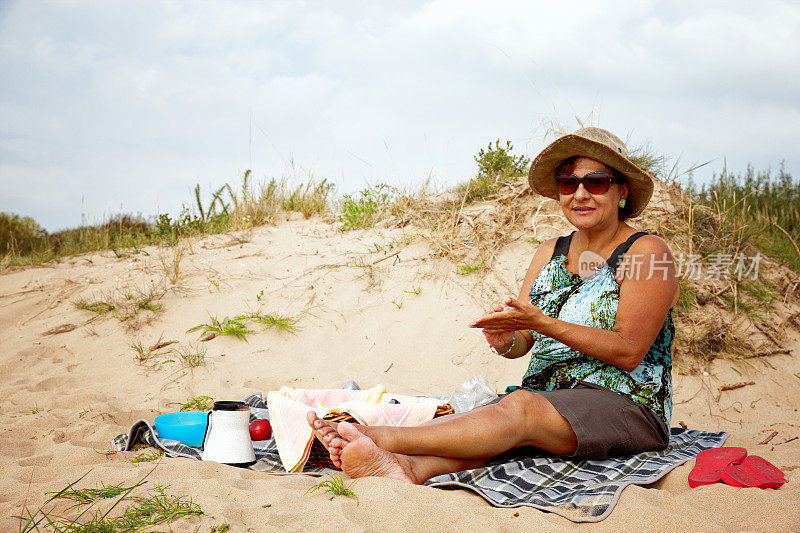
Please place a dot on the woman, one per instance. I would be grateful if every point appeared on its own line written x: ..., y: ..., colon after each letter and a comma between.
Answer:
x: 598, y: 383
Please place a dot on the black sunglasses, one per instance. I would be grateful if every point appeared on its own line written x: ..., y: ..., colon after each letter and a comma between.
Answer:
x: 593, y: 182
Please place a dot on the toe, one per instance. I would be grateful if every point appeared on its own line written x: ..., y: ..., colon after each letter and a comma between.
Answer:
x: 348, y: 431
x: 311, y: 416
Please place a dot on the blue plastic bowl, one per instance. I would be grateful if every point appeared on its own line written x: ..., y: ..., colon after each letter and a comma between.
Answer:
x: 188, y: 427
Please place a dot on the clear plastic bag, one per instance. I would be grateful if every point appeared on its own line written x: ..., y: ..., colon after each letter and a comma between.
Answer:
x: 474, y: 392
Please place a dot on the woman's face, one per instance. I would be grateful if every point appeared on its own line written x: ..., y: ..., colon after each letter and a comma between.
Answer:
x: 585, y: 210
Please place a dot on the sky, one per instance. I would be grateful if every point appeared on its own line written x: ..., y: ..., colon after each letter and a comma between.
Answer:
x: 122, y: 107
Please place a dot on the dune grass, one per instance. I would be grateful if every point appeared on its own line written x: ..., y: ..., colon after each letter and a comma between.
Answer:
x: 119, y: 233
x: 147, y: 457
x: 171, y: 266
x: 236, y: 326
x: 23, y: 242
x: 279, y: 322
x: 754, y: 208
x: 310, y: 198
x: 154, y: 508
x: 336, y: 486
x: 731, y: 223
x: 466, y: 268
x: 89, y: 495
x: 98, y: 307
x: 196, y: 403
x: 146, y: 354
x: 123, y: 304
x: 191, y: 356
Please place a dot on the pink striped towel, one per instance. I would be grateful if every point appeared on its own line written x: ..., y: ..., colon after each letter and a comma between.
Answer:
x: 294, y: 437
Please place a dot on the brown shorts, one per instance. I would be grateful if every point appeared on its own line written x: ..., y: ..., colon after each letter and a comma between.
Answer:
x: 607, y: 424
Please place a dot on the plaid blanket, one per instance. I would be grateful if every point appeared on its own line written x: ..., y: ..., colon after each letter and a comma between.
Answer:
x: 267, y: 458
x: 579, y: 490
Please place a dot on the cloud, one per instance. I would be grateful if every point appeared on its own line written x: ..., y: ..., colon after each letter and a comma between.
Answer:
x: 131, y: 104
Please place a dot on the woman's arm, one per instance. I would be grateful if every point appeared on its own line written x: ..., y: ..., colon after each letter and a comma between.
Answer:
x: 648, y: 289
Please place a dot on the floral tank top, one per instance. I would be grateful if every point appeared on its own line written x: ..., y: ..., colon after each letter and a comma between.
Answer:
x: 593, y: 302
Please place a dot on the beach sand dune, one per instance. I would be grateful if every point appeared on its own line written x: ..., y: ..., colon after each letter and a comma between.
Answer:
x: 375, y: 306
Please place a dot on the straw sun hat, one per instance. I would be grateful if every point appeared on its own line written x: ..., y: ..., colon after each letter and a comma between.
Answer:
x: 600, y: 145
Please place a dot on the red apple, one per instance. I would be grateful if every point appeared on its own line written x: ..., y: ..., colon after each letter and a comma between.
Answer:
x: 260, y: 430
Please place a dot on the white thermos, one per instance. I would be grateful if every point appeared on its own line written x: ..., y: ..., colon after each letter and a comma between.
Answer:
x: 227, y: 438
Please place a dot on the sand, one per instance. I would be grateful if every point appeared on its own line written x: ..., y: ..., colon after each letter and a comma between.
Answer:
x: 364, y: 314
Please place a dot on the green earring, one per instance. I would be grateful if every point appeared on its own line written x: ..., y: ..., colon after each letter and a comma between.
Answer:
x: 622, y: 203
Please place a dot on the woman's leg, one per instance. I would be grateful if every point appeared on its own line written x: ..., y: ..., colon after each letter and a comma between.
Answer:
x: 522, y: 418
x: 362, y: 457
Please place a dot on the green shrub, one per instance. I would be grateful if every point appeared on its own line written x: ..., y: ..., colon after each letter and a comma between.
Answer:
x: 19, y: 234
x: 498, y: 161
x: 364, y: 209
x: 495, y: 166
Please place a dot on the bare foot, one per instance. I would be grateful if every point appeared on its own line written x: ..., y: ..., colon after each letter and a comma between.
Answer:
x: 361, y: 457
x: 325, y: 432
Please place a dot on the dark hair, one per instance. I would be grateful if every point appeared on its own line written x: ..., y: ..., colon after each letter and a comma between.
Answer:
x: 567, y: 166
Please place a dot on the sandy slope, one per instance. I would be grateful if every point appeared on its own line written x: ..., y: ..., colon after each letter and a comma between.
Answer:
x: 400, y: 322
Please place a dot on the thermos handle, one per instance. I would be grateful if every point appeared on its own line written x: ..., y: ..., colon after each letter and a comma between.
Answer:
x: 208, y: 426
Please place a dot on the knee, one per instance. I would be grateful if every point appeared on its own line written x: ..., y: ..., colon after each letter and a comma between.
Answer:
x: 539, y: 423
x: 525, y: 407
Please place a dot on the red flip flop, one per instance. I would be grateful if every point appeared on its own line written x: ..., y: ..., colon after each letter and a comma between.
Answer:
x: 753, y: 471
x: 709, y: 464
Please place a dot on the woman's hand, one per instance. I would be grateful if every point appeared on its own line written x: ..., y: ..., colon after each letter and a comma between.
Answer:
x: 500, y: 341
x: 514, y: 316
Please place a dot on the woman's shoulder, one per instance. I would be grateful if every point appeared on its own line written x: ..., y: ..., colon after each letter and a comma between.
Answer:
x: 547, y: 247
x: 650, y: 244
x: 544, y: 253
x: 649, y: 259
x: 541, y: 257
